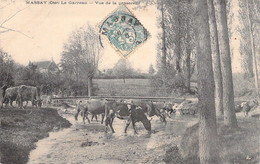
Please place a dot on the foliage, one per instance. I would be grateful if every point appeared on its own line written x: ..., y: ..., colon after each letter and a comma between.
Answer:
x: 244, y: 30
x: 177, y: 63
x: 80, y: 56
x: 7, y: 69
x: 123, y: 69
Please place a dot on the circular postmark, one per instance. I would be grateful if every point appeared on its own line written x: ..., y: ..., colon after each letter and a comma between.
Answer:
x: 124, y: 31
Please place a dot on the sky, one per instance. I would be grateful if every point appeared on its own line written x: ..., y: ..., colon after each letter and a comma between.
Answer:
x: 47, y: 27
x: 44, y: 28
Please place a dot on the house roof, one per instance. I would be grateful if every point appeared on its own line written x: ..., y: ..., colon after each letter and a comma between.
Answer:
x: 44, y: 64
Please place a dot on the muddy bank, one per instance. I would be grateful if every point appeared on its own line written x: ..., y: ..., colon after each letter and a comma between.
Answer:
x: 21, y: 129
x: 90, y: 144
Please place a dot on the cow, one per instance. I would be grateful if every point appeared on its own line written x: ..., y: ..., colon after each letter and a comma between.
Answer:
x: 93, y: 106
x: 150, y: 108
x: 187, y: 107
x: 11, y: 95
x: 131, y: 112
x: 29, y: 93
x: 249, y: 105
x: 2, y: 95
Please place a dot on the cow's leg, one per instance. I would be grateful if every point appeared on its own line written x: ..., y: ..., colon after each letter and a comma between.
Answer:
x: 127, y: 124
x: 102, y: 119
x: 83, y: 117
x: 26, y: 104
x: 11, y: 103
x: 133, y: 123
x: 109, y: 121
x: 6, y: 101
x: 76, y: 115
x: 94, y: 116
x: 111, y: 126
x: 22, y: 107
x: 245, y: 113
x: 106, y: 124
x: 86, y: 115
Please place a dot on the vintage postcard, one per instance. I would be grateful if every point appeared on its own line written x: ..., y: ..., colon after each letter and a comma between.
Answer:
x: 129, y: 81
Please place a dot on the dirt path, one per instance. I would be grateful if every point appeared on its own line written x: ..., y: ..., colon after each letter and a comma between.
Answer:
x: 89, y: 144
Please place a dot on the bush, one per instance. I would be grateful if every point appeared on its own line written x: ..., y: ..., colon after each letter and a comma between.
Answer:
x: 168, y: 85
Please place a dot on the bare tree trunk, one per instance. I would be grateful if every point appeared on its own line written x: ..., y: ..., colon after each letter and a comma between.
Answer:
x: 89, y: 86
x: 225, y: 60
x: 163, y: 62
x: 187, y: 58
x: 215, y: 59
x: 253, y: 50
x: 208, y: 143
x: 187, y: 74
x: 178, y: 46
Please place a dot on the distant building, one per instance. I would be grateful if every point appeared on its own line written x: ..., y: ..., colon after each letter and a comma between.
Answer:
x: 47, y: 67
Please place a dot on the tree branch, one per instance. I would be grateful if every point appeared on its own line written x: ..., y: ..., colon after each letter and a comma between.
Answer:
x: 12, y: 16
x: 9, y: 29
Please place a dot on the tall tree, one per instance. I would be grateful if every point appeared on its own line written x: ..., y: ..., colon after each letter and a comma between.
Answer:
x: 208, y: 143
x: 253, y: 49
x: 82, y: 53
x: 215, y: 59
x: 245, y: 48
x: 123, y: 69
x: 225, y: 60
x: 163, y: 58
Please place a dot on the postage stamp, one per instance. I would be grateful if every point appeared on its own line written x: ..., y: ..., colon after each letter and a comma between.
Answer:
x: 124, y: 31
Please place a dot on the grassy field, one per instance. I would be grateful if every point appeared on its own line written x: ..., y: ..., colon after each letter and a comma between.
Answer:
x: 131, y: 87
x: 142, y: 87
x: 117, y: 87
x: 21, y: 129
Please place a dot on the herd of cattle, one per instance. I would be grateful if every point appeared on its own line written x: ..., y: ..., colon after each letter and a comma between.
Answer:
x: 132, y: 110
x: 139, y: 111
x: 20, y: 94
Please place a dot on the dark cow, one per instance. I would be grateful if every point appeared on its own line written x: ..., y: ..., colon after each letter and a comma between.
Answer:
x: 2, y: 94
x: 29, y: 93
x: 151, y: 108
x: 93, y: 106
x: 130, y: 112
x: 11, y: 95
